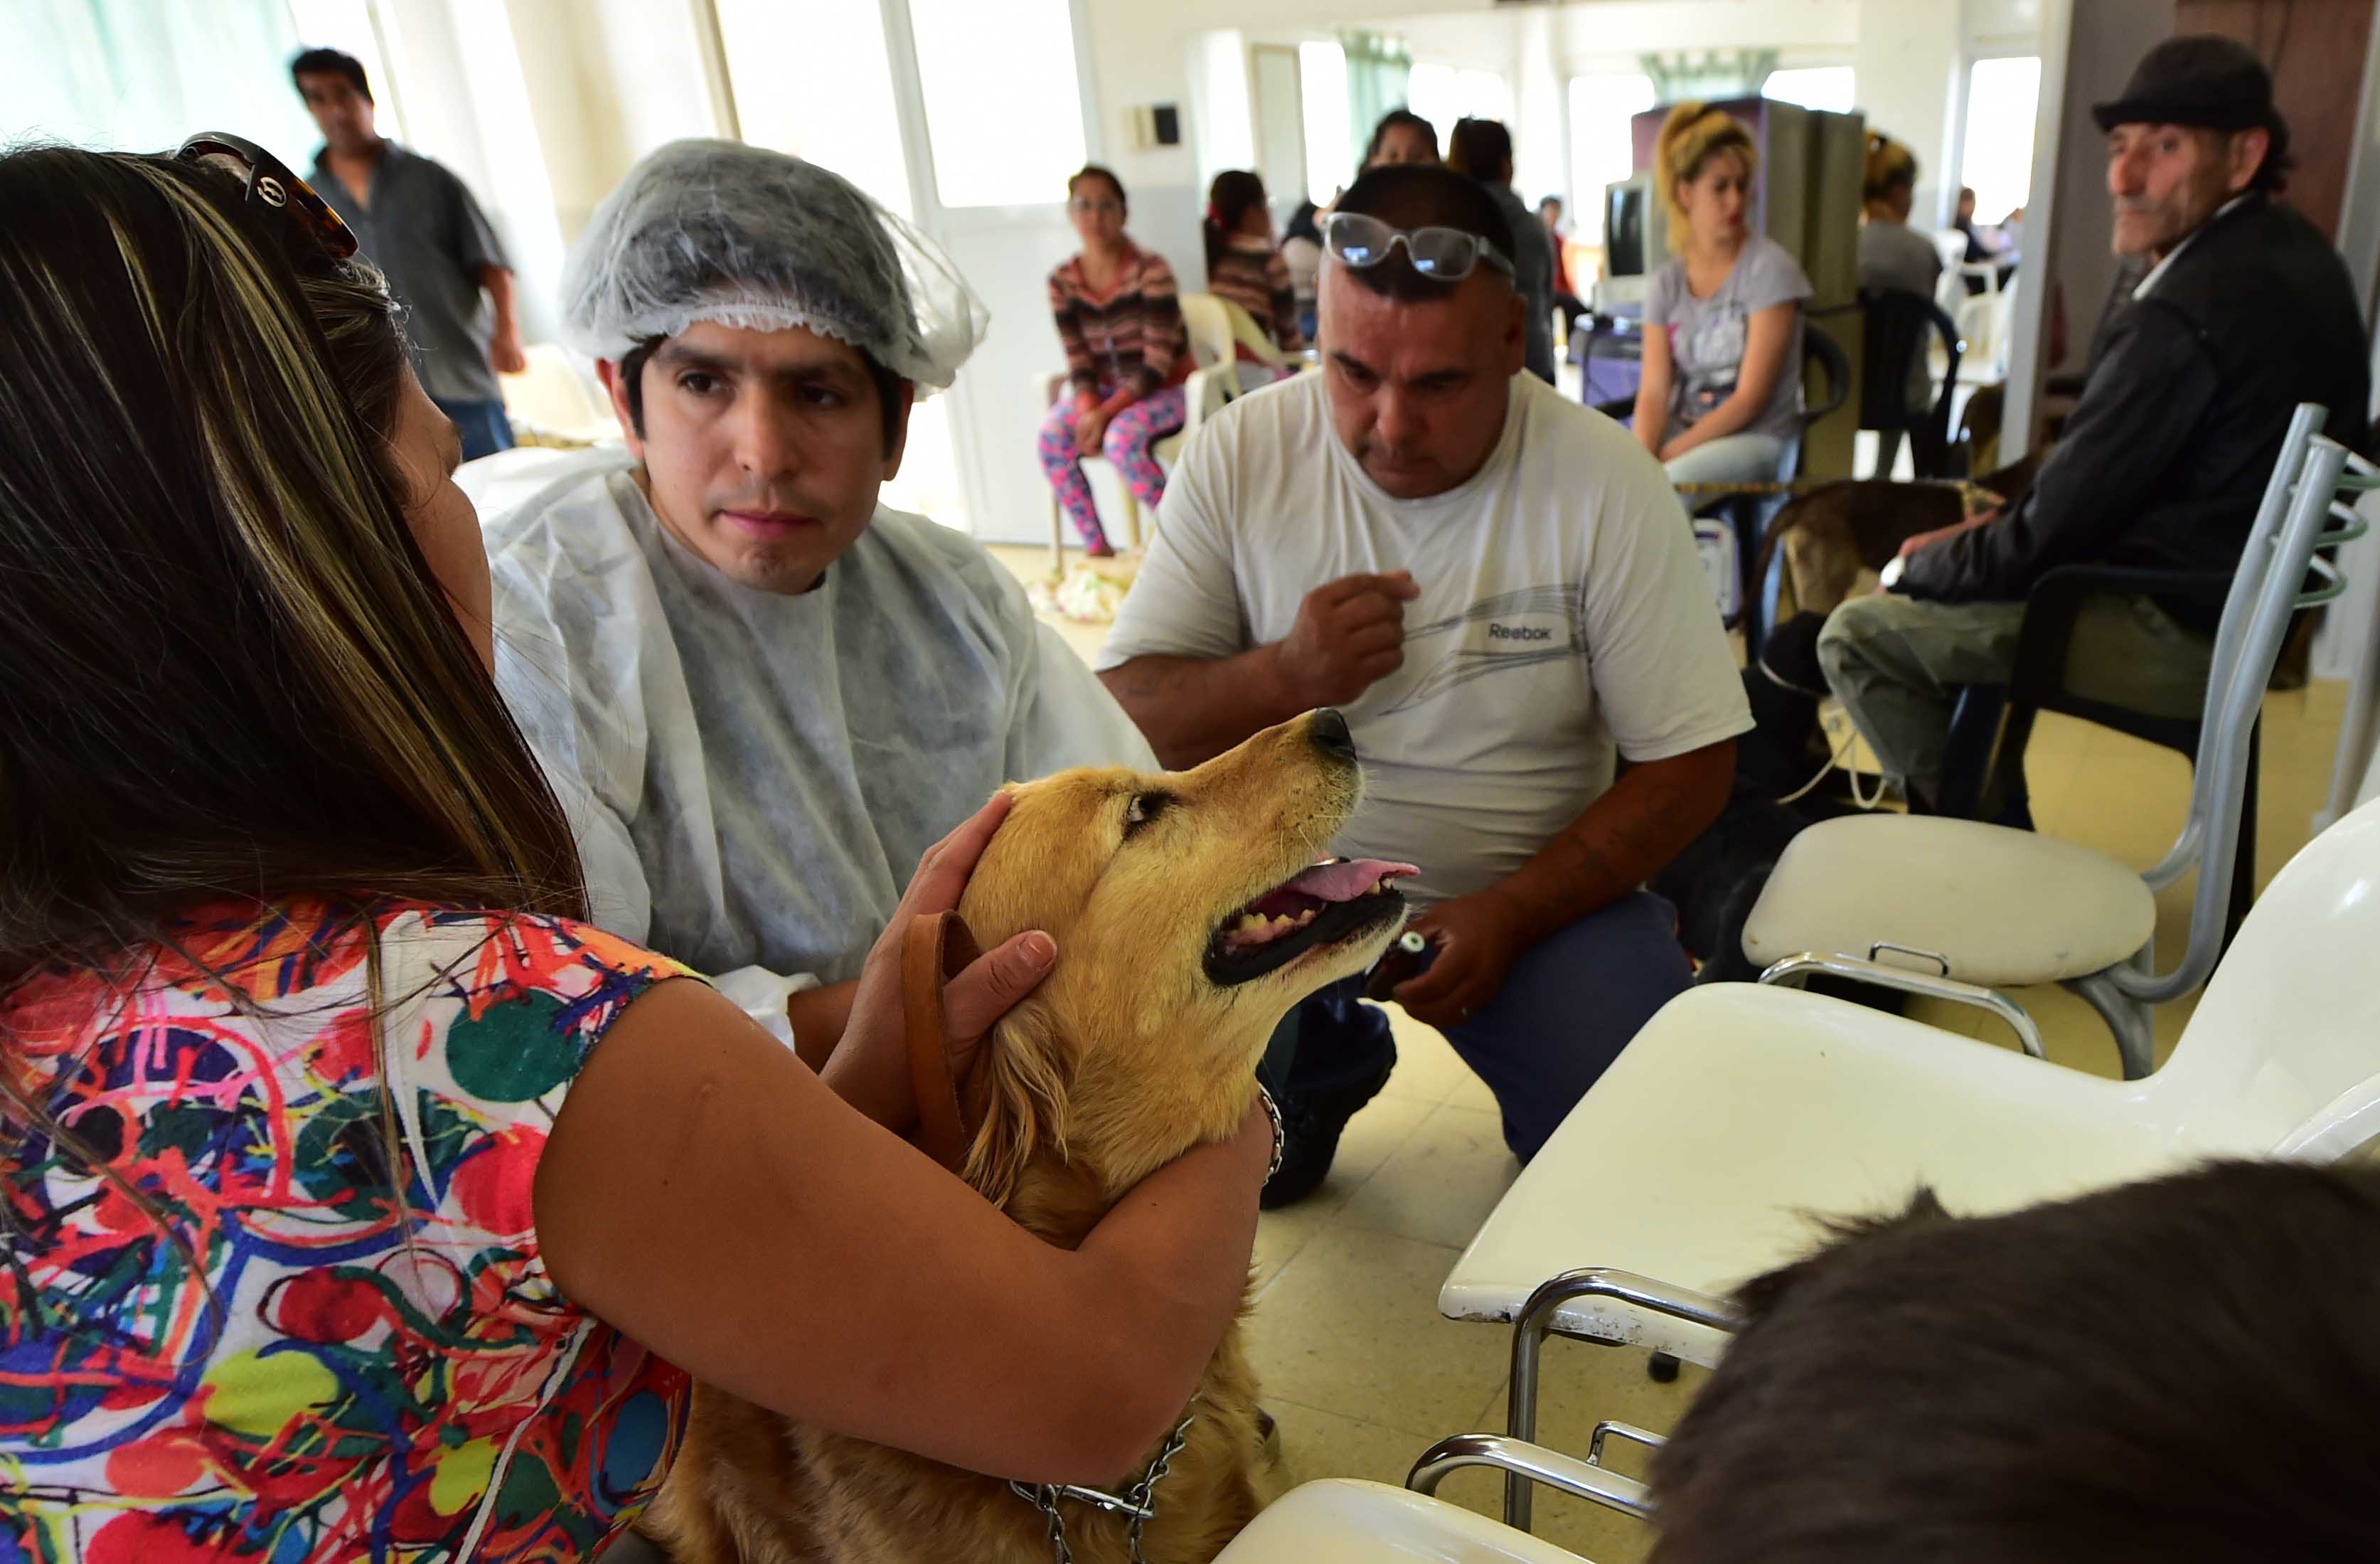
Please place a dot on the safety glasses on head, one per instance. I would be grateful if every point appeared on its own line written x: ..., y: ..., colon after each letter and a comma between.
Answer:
x: 1446, y: 255
x: 266, y: 179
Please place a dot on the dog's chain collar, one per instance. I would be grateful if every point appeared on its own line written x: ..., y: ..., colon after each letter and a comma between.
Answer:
x: 1279, y: 1134
x: 1139, y: 1502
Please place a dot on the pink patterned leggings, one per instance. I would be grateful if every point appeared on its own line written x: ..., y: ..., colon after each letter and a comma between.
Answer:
x: 1126, y: 444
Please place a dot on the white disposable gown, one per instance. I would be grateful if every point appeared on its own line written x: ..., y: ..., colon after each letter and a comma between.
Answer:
x: 752, y: 776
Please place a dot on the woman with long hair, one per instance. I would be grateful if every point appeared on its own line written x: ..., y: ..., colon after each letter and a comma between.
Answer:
x: 1243, y: 264
x: 1119, y: 316
x: 360, y: 1200
x: 1721, y: 394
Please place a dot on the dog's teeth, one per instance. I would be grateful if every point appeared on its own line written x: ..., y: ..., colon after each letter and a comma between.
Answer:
x: 1251, y: 924
x: 1283, y: 920
x: 1305, y: 917
x: 1379, y: 885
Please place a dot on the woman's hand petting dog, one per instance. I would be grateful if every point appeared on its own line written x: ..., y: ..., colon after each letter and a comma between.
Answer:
x: 1475, y: 940
x: 869, y: 1068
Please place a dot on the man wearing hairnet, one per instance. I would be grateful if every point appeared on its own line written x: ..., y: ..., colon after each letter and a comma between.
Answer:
x: 762, y: 694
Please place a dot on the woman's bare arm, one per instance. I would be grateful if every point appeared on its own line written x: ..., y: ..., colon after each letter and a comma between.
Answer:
x: 1652, y: 425
x: 709, y: 1196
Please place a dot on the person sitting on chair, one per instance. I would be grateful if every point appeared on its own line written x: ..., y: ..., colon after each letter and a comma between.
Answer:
x: 1895, y: 258
x: 2229, y: 309
x: 2181, y: 1371
x: 1498, y: 590
x: 1721, y: 394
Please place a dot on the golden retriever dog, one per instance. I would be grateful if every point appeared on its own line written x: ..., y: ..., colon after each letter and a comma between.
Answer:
x: 1190, y: 913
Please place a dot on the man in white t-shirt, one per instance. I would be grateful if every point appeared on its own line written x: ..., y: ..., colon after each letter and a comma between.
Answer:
x: 1498, y: 590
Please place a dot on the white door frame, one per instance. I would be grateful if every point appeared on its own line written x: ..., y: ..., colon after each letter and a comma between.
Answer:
x: 945, y: 225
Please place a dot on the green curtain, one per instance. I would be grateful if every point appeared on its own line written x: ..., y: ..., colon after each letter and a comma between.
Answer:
x: 1378, y: 70
x: 1733, y: 73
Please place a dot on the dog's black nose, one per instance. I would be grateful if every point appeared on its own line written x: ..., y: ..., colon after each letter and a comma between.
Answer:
x: 1329, y: 731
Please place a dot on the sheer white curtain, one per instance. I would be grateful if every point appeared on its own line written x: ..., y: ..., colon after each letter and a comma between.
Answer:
x: 141, y: 75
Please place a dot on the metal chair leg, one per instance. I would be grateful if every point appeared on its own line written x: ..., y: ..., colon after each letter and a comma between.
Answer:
x: 2131, y: 1023
x: 1529, y: 1339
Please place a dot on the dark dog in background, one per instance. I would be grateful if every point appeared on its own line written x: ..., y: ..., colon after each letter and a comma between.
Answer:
x: 1859, y: 523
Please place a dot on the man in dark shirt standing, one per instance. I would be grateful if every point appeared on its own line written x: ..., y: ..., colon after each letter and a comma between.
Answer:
x: 418, y: 222
x: 2231, y: 308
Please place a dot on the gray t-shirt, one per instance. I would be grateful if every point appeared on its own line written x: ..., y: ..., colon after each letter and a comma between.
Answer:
x: 420, y: 227
x: 1894, y: 255
x: 1707, y: 336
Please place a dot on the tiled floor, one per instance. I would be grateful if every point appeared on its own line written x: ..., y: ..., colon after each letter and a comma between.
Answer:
x: 1363, y: 1373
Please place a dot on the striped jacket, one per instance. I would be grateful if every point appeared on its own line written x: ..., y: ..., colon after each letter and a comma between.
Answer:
x: 1252, y: 275
x: 1131, y: 336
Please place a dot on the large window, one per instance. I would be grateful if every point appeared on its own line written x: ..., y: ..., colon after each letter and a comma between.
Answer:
x: 1003, y: 103
x: 1330, y: 149
x: 844, y: 118
x: 1443, y: 94
x: 2002, y: 96
x: 1602, y: 148
x: 1822, y: 87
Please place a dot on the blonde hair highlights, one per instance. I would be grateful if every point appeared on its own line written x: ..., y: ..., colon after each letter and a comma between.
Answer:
x: 1691, y: 136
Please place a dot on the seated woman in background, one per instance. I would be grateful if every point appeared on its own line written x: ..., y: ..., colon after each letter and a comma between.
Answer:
x: 1895, y: 258
x: 362, y: 1200
x: 1722, y: 387
x: 1119, y: 316
x: 1243, y: 267
x: 1402, y: 135
x: 1891, y: 253
x: 1482, y: 150
x: 1301, y: 251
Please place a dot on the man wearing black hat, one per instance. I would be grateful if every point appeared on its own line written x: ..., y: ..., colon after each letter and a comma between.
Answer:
x: 2229, y: 309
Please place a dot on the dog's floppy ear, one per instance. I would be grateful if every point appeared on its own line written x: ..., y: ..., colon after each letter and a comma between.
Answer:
x: 1019, y: 1084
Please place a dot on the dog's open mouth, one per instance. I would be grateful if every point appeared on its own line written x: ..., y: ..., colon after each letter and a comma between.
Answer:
x: 1335, y: 900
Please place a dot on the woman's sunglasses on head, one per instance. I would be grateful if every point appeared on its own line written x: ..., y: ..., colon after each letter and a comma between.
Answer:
x: 267, y: 181
x: 1446, y: 255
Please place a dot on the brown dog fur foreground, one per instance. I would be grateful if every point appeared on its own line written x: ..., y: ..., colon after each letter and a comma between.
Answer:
x: 1125, y: 1056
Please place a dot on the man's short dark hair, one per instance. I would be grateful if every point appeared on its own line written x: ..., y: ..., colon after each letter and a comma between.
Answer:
x: 1422, y: 195
x: 1481, y: 148
x: 2184, y: 1369
x: 888, y: 389
x: 329, y: 62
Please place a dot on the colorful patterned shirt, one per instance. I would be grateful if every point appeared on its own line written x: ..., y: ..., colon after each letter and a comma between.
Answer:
x: 304, y: 1368
x: 1254, y: 276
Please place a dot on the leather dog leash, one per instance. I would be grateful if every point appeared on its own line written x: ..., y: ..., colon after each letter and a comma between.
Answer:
x: 938, y: 947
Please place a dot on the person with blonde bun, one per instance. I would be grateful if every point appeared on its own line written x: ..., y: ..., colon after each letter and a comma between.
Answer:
x: 1723, y: 321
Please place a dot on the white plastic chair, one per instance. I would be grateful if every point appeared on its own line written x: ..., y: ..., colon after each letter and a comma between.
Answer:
x: 1207, y: 326
x: 552, y: 398
x: 1740, y: 1113
x: 1992, y: 907
x: 1342, y: 1520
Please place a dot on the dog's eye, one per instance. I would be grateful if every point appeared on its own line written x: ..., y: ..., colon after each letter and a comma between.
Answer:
x: 1144, y: 808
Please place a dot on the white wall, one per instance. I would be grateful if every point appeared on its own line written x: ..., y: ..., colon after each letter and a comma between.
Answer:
x: 1910, y: 74
x: 2088, y: 48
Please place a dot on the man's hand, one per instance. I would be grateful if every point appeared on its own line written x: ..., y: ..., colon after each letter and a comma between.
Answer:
x: 1090, y: 428
x: 506, y: 353
x: 1477, y: 939
x: 1349, y: 635
x: 1927, y: 540
x: 869, y: 1068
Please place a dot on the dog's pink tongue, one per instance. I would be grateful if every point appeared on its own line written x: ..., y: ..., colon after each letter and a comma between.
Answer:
x: 1345, y: 882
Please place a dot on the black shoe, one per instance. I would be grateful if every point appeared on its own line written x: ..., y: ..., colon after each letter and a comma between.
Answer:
x: 1310, y: 1128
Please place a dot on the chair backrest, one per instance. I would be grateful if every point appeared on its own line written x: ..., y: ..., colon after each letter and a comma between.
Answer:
x: 1823, y: 354
x: 1246, y: 333
x: 551, y: 393
x: 1894, y: 361
x: 1207, y: 320
x: 2288, y: 527
x: 2283, y: 1048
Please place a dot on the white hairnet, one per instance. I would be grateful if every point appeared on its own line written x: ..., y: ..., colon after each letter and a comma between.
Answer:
x: 721, y: 231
